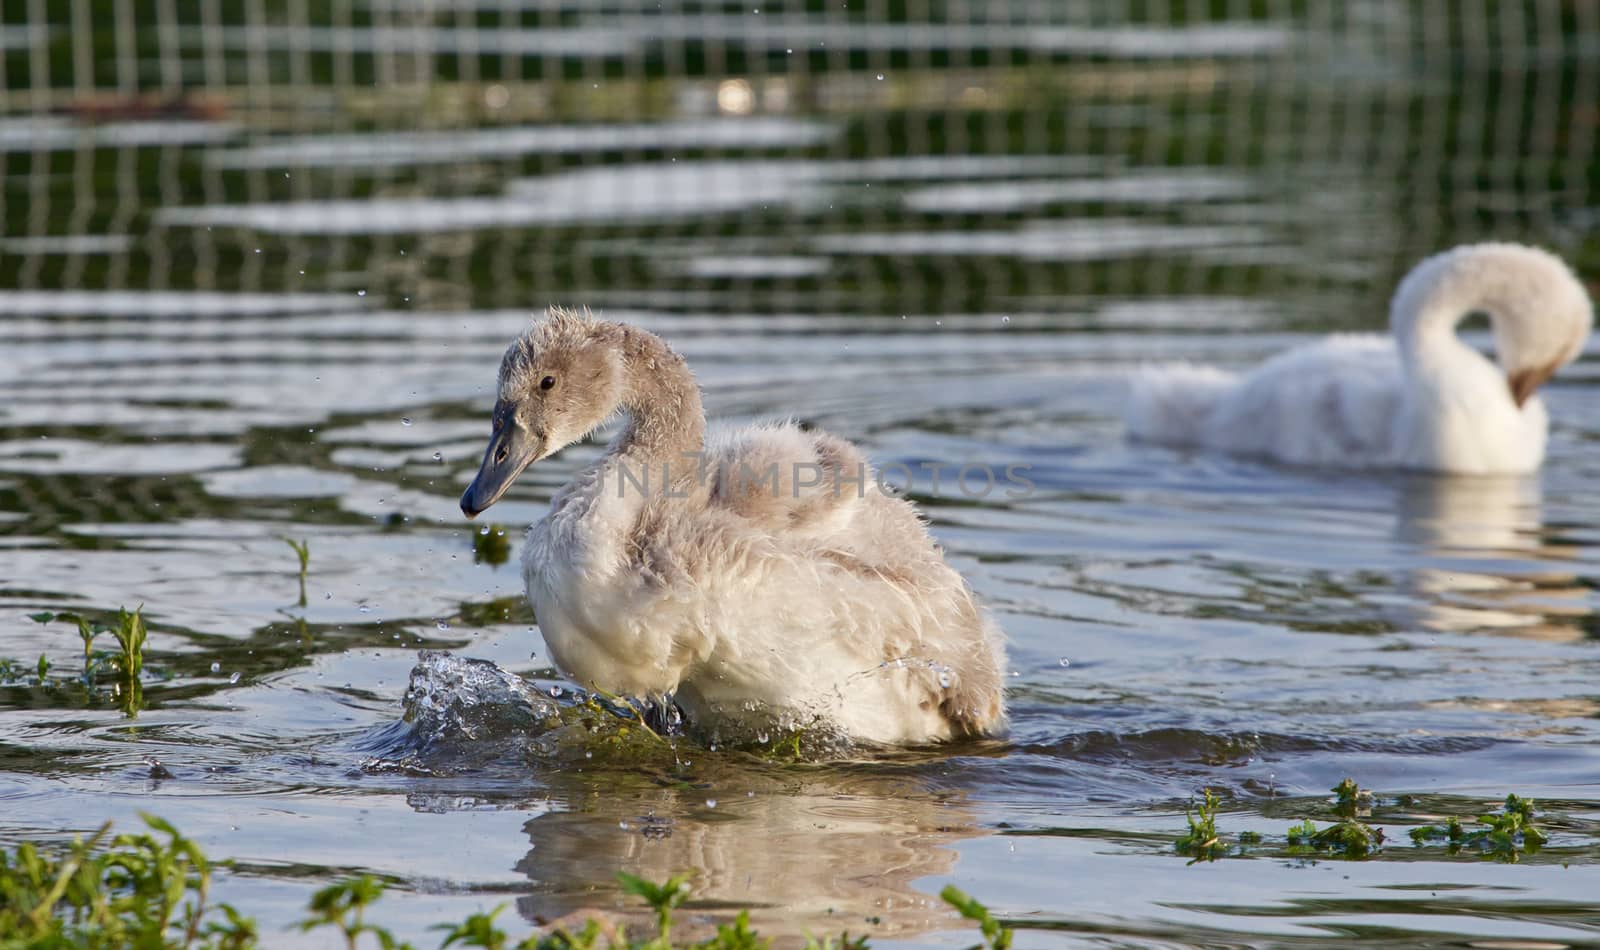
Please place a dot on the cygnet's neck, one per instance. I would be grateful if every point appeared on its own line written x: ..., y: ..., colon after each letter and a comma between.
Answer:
x: 666, y: 430
x: 1432, y: 301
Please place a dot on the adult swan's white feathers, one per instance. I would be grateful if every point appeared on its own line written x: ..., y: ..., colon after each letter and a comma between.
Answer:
x: 756, y: 566
x: 1419, y: 400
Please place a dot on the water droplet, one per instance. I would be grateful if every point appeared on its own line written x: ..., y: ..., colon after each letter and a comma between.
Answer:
x: 361, y: 293
x: 1005, y: 319
x: 555, y: 691
x: 405, y: 420
x: 944, y: 680
x: 233, y: 677
x: 588, y: 755
x: 711, y: 803
x: 438, y: 456
x: 365, y: 609
x: 1065, y: 662
x: 442, y: 625
x: 328, y: 595
x: 762, y: 738
x: 621, y: 824
x: 216, y: 667
x: 880, y: 77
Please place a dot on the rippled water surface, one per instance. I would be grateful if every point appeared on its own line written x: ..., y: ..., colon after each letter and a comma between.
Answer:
x: 223, y: 332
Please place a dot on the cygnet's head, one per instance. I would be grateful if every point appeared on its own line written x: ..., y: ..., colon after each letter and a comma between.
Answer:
x: 1547, y: 316
x: 559, y: 381
x: 1539, y: 311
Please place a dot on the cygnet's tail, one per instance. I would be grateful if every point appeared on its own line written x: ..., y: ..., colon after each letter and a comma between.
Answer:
x: 1170, y: 403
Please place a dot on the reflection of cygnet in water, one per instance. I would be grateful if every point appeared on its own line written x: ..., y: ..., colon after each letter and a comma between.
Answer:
x: 822, y: 858
x: 1483, y: 539
x: 712, y: 567
x: 831, y: 846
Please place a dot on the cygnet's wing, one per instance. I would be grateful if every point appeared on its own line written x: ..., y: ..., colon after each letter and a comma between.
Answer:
x: 928, y: 631
x: 1330, y: 403
x: 804, y: 486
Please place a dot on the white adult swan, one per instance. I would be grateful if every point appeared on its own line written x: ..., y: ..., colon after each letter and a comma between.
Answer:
x: 761, y: 565
x: 1419, y: 400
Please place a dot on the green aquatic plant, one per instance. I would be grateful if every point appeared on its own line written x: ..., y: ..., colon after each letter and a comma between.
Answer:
x: 87, y: 632
x: 343, y: 907
x: 127, y: 662
x: 131, y: 633
x: 153, y: 890
x: 478, y: 930
x: 995, y: 936
x: 663, y: 899
x: 1502, y: 836
x: 1351, y: 799
x: 1351, y: 839
x: 134, y: 890
x: 1349, y: 836
x: 302, y: 551
x: 1202, y: 841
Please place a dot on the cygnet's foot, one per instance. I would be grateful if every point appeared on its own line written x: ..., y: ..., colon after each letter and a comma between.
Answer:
x: 662, y: 714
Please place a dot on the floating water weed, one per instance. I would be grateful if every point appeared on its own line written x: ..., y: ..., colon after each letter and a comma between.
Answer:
x: 478, y: 930
x: 1502, y: 837
x: 1352, y: 839
x: 1349, y: 837
x: 130, y: 633
x: 302, y: 550
x: 1202, y: 842
x: 995, y: 936
x: 662, y: 898
x: 343, y: 906
x: 153, y: 890
x: 1351, y: 798
x: 137, y: 890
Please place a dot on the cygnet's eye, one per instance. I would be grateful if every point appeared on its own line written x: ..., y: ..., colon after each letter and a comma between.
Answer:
x: 547, y: 383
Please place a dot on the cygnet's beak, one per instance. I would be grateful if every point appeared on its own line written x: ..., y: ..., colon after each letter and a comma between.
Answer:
x: 1525, y: 382
x: 511, y: 449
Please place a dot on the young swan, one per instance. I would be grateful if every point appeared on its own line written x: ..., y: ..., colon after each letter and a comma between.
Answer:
x: 760, y: 565
x: 1419, y: 400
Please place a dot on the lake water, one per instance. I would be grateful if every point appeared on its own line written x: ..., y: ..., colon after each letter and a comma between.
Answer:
x: 282, y: 320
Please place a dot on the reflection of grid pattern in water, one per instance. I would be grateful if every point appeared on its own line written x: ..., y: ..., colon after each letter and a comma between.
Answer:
x: 887, y: 157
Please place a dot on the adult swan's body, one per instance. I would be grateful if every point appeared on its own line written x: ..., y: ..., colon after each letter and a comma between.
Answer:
x: 723, y: 570
x: 1419, y: 399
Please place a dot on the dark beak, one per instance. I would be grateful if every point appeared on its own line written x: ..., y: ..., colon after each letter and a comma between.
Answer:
x: 1524, y: 383
x: 511, y: 449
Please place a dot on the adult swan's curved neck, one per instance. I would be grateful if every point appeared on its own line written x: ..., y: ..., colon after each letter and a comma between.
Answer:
x: 1539, y: 312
